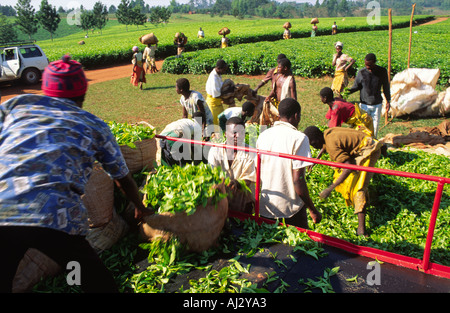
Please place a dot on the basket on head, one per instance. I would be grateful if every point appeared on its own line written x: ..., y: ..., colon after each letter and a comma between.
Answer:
x: 315, y: 21
x: 287, y: 25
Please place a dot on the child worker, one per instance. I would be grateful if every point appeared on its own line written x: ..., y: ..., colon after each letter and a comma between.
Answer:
x: 192, y: 101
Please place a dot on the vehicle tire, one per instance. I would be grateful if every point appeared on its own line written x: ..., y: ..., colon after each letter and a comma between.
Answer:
x: 31, y: 76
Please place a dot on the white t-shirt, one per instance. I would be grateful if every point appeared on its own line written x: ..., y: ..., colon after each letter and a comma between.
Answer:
x: 232, y: 112
x: 242, y: 167
x: 214, y: 84
x: 278, y: 197
x: 188, y: 127
x: 190, y: 104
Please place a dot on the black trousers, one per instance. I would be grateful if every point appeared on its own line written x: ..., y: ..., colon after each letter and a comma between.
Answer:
x: 59, y: 246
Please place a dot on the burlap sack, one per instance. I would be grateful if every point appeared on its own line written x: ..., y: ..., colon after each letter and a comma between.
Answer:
x: 148, y: 39
x: 102, y: 238
x: 143, y: 156
x: 240, y: 200
x: 198, y: 231
x: 99, y: 197
x: 224, y: 31
x: 33, y: 267
x: 287, y: 25
x: 315, y: 21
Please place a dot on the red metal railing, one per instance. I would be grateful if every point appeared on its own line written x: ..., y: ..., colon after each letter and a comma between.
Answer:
x: 423, y: 264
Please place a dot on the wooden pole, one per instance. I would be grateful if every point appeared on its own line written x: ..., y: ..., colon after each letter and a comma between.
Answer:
x: 389, y: 59
x: 410, y: 33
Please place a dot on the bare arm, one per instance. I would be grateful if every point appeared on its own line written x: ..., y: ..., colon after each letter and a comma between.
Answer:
x: 130, y: 188
x: 301, y: 188
x: 345, y: 173
x: 293, y: 88
x: 185, y: 113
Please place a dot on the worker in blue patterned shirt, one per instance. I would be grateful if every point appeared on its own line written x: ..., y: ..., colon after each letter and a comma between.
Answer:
x: 48, y: 145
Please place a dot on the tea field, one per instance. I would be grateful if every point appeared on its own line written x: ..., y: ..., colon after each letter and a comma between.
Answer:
x: 115, y: 43
x: 312, y: 57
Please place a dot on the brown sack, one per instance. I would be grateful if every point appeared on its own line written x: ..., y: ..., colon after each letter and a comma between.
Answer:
x: 102, y: 238
x: 33, y: 267
x: 287, y: 25
x: 143, y: 156
x: 99, y: 197
x: 315, y: 21
x: 199, y: 231
x: 240, y: 200
x: 148, y: 39
x: 224, y: 31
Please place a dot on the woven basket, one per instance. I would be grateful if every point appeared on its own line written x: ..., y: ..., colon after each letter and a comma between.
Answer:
x: 315, y: 21
x: 33, y: 267
x: 287, y: 25
x: 102, y: 238
x: 198, y: 231
x: 99, y: 197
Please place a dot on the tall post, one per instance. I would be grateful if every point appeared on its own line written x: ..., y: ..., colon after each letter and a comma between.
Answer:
x: 410, y: 33
x: 389, y: 59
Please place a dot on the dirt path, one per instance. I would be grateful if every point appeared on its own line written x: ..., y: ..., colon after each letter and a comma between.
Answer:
x: 9, y: 91
x: 438, y: 20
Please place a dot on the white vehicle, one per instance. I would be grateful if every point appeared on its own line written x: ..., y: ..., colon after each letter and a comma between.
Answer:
x: 25, y: 61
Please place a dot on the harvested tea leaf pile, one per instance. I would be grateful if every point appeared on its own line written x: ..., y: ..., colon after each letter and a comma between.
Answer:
x: 127, y: 134
x: 182, y: 189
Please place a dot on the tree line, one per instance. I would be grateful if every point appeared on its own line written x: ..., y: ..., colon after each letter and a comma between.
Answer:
x: 137, y: 12
x: 28, y: 20
x: 291, y: 9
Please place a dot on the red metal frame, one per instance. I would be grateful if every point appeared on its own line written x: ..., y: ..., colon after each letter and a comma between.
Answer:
x: 423, y: 265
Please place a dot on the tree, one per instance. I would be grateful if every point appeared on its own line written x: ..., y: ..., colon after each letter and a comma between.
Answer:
x: 87, y: 21
x: 137, y: 17
x: 7, y: 32
x: 48, y: 17
x: 112, y: 9
x: 26, y: 17
x: 100, y: 15
x: 124, y: 13
x: 159, y: 14
x: 344, y: 8
x: 222, y: 7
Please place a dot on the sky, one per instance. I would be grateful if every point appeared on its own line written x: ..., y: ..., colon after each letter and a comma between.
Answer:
x: 88, y: 4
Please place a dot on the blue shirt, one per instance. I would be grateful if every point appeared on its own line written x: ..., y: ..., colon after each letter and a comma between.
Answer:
x: 47, y: 150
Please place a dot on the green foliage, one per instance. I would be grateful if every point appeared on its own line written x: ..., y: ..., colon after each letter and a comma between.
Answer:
x: 127, y: 134
x: 7, y: 31
x: 48, y: 17
x: 26, y: 17
x: 183, y: 189
x: 115, y: 44
x: 314, y: 58
x: 400, y: 209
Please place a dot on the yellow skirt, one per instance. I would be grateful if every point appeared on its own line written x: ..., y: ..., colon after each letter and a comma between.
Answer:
x: 216, y: 107
x: 354, y: 189
x: 340, y: 81
x: 361, y: 120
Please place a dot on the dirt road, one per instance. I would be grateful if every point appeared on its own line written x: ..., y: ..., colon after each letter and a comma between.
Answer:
x: 9, y: 91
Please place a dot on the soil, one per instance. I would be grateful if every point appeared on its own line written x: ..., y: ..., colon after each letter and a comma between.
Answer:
x: 10, y: 90
x: 438, y: 20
